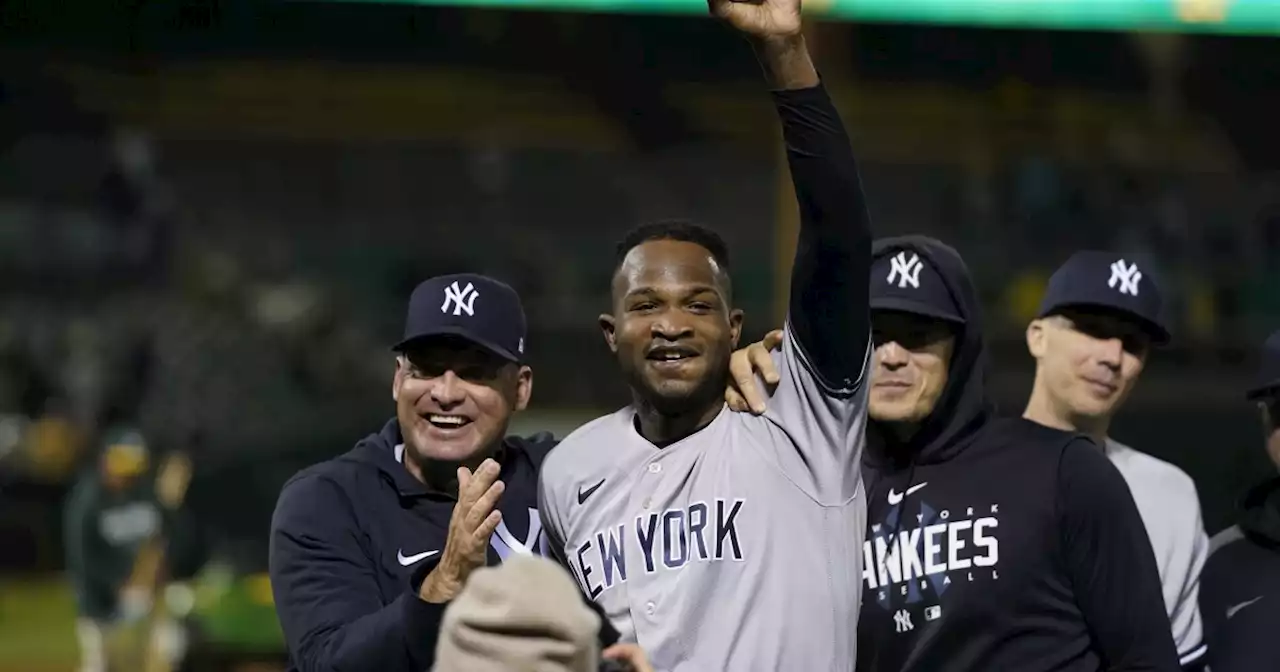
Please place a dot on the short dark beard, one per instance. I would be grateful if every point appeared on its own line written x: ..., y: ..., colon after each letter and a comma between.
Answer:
x: 665, y: 420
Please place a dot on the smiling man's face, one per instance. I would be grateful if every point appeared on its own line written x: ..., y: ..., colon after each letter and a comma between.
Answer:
x: 673, y: 328
x: 910, y: 366
x: 1088, y: 361
x: 455, y: 399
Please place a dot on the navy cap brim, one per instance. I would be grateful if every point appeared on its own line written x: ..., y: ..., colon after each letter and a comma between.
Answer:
x: 458, y: 332
x: 1159, y: 335
x: 906, y: 305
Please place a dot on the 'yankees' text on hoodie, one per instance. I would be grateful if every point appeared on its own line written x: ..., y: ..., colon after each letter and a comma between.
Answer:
x: 999, y: 544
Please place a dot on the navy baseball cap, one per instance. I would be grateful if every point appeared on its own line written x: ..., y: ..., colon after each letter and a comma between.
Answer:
x: 906, y: 280
x: 474, y: 307
x: 1267, y: 381
x: 1094, y: 279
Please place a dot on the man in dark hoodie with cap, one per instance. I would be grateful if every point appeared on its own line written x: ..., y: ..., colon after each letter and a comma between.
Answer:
x: 993, y: 543
x: 1240, y: 586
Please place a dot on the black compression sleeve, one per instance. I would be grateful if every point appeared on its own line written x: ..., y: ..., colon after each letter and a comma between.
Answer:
x: 828, y: 312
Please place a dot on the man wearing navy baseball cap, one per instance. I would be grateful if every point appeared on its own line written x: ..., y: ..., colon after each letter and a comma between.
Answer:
x: 993, y: 542
x: 1240, y: 593
x: 367, y: 549
x: 1101, y: 315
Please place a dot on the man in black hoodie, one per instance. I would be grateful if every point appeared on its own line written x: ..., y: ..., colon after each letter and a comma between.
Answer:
x: 993, y: 543
x: 1240, y: 586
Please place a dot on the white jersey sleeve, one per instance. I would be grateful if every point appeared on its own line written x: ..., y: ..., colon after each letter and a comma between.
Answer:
x: 1170, y: 507
x: 1184, y: 578
x: 826, y: 427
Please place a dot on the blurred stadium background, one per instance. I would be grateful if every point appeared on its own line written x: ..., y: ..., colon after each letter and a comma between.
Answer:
x: 211, y: 214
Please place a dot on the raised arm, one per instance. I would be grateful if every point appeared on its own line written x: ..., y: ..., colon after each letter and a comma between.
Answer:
x: 828, y: 314
x: 818, y: 403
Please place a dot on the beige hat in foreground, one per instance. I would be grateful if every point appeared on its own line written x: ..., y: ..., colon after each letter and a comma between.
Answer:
x: 525, y: 615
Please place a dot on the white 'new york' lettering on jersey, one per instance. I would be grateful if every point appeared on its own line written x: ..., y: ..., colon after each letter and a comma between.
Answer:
x: 737, y: 548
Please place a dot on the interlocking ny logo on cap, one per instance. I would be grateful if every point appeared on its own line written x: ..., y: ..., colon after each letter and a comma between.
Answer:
x: 462, y: 299
x: 905, y: 271
x: 1126, y: 275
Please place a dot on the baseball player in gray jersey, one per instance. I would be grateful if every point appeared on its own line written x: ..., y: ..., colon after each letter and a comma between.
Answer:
x: 720, y: 540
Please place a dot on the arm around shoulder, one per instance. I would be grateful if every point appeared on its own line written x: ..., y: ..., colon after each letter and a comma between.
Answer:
x: 326, y: 591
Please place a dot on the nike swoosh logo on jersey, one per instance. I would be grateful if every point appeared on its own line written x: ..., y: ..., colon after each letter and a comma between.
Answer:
x: 895, y: 498
x: 1232, y: 610
x: 406, y: 560
x: 584, y: 494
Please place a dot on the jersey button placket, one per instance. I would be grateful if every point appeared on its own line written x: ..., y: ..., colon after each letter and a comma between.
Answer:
x: 653, y: 469
x: 649, y: 481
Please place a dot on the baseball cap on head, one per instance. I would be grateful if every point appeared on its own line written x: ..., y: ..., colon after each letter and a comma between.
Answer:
x: 1114, y: 282
x: 907, y: 281
x: 1267, y: 381
x: 470, y: 306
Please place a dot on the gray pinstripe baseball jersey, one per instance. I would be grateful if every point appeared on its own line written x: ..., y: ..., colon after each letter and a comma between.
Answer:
x: 738, y: 547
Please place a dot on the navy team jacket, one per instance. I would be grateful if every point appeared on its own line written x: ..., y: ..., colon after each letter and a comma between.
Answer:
x: 352, y: 539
